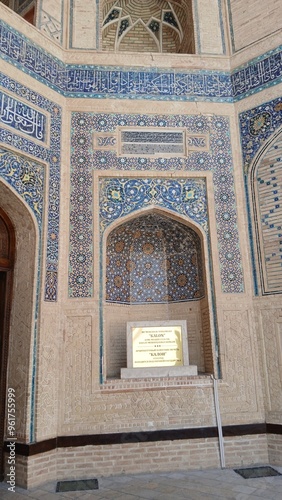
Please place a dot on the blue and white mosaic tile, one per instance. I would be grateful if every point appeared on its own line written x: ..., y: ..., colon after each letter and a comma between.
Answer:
x: 50, y: 155
x: 263, y: 72
x: 84, y: 159
x: 122, y: 196
x: 138, y: 83
x: 153, y: 259
x: 23, y: 118
x: 258, y: 126
x: 26, y: 178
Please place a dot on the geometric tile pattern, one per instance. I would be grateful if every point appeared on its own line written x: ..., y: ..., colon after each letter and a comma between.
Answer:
x: 157, y: 84
x: 84, y: 159
x: 152, y: 259
x: 146, y: 29
x: 265, y: 184
x: 51, y: 155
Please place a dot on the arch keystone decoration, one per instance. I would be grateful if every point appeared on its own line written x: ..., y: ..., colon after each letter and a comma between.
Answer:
x: 148, y: 26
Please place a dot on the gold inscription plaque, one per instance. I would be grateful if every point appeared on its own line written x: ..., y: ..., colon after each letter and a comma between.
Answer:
x: 157, y: 346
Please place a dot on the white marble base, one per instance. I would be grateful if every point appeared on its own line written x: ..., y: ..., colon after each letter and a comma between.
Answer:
x: 156, y: 372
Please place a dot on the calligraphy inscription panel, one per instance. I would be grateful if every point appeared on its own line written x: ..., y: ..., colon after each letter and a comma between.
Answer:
x: 154, y: 346
x: 23, y: 118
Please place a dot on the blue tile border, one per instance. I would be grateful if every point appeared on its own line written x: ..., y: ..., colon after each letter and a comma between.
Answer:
x: 139, y: 83
x: 222, y: 31
x: 32, y: 196
x: 85, y: 159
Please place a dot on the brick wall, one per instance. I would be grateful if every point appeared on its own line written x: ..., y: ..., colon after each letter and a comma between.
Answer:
x: 129, y: 458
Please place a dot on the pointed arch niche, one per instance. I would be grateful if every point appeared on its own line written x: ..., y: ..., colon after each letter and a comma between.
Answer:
x: 155, y: 270
x: 19, y: 331
x: 265, y: 184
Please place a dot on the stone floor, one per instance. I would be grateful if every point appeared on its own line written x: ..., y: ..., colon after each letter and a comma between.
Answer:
x: 192, y: 485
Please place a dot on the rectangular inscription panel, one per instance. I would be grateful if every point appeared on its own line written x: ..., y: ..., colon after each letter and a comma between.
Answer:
x: 155, y: 346
x: 152, y: 142
x: 22, y: 117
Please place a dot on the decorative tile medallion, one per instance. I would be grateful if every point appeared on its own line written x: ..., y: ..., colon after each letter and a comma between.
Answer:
x: 50, y: 155
x: 85, y: 159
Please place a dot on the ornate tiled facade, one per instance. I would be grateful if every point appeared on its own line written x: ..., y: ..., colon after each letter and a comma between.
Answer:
x: 153, y: 212
x: 24, y: 118
x: 122, y: 196
x: 261, y: 73
x: 97, y: 82
x: 85, y: 159
x: 155, y: 260
x: 256, y: 126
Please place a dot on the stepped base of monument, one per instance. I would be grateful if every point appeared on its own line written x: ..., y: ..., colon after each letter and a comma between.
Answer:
x: 156, y: 372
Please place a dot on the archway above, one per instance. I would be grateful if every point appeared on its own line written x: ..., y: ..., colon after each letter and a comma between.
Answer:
x: 148, y: 26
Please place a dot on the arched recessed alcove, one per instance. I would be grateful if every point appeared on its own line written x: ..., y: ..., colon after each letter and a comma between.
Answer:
x: 265, y: 183
x: 155, y: 271
x: 148, y: 26
x: 22, y: 307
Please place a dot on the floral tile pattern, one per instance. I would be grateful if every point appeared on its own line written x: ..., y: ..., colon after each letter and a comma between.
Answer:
x: 85, y: 159
x: 258, y: 126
